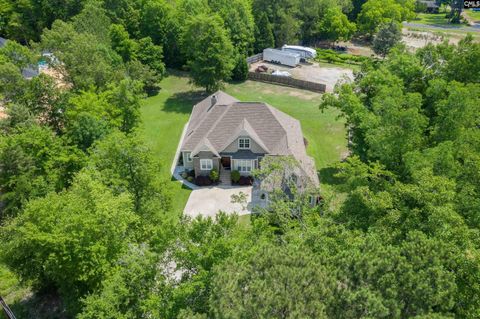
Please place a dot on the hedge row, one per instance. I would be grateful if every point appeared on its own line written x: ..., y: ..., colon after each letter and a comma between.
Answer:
x: 332, y: 56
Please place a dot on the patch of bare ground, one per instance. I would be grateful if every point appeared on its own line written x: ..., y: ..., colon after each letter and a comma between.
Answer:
x: 418, y: 39
x: 303, y: 94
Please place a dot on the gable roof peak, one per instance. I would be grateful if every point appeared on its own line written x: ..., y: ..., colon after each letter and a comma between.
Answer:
x: 245, y: 128
x: 204, y: 145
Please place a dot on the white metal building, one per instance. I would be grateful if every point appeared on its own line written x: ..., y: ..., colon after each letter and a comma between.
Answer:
x: 305, y: 52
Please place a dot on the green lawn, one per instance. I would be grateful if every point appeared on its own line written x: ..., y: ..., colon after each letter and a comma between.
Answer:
x: 475, y: 15
x: 10, y: 288
x: 165, y: 115
x: 325, y: 134
x: 431, y: 19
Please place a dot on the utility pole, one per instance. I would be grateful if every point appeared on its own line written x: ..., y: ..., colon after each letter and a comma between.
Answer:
x: 8, y: 312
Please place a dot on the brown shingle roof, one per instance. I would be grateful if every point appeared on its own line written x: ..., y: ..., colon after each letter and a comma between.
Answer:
x: 275, y: 131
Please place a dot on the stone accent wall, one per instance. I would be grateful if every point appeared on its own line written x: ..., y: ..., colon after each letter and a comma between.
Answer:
x: 205, y: 155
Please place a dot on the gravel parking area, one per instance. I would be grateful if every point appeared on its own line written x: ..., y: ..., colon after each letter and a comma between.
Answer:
x: 314, y: 72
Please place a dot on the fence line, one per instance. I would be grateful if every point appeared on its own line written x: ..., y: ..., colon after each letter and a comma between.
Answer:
x: 255, y: 58
x: 288, y: 81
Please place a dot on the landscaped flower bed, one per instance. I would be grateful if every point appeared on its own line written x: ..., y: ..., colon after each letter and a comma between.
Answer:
x: 237, y: 179
x: 211, y: 179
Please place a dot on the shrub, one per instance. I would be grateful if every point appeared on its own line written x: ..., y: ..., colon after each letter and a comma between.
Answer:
x: 245, y: 180
x: 184, y: 174
x: 190, y: 179
x: 214, y: 175
x: 235, y: 176
x: 203, y: 181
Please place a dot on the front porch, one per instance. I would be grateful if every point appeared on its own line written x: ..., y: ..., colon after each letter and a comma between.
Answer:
x: 225, y: 178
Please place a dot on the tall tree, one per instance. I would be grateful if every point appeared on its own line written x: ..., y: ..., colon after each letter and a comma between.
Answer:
x: 275, y: 282
x: 80, y: 57
x: 238, y: 19
x: 69, y: 240
x: 209, y: 51
x: 126, y: 165
x: 376, y: 13
x: 34, y: 162
x: 335, y: 25
x: 386, y: 38
x: 263, y: 33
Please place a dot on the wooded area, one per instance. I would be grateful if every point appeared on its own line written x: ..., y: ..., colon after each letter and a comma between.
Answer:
x: 88, y: 216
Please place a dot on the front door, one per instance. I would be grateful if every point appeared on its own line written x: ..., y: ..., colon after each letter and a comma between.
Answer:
x: 226, y: 162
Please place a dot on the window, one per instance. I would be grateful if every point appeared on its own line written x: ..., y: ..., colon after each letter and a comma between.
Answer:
x: 244, y: 166
x: 189, y: 157
x: 243, y: 143
x: 206, y: 164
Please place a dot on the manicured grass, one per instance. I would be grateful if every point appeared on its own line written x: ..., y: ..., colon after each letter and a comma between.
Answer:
x: 325, y: 134
x: 432, y: 19
x: 165, y: 115
x: 10, y: 288
x: 475, y: 15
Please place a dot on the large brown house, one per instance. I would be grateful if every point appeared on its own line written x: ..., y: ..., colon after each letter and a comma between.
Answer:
x: 226, y: 134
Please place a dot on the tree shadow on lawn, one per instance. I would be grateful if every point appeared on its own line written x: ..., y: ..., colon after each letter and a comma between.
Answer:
x: 183, y: 102
x: 41, y: 305
x: 327, y: 176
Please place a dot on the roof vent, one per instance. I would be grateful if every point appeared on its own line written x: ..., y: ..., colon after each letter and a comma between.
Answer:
x: 213, y: 101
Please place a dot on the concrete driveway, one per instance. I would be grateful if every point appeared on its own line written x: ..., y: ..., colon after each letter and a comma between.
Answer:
x: 208, y: 201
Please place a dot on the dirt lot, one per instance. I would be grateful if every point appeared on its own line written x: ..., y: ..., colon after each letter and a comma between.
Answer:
x: 315, y: 72
x: 418, y: 39
x: 2, y: 112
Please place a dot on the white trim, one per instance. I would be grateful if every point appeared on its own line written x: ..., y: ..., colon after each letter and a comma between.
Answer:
x: 206, y: 164
x: 312, y: 200
x: 244, y: 163
x: 188, y: 156
x: 244, y: 139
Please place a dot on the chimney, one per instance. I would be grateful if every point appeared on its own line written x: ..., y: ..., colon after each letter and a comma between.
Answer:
x: 214, y: 100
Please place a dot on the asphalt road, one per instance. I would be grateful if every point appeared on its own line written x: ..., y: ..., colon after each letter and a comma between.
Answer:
x: 474, y: 28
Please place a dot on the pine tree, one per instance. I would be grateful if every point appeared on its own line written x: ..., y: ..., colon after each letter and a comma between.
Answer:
x: 263, y: 34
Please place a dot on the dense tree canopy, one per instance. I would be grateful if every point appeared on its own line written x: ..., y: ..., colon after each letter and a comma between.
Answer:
x: 69, y: 239
x: 387, y: 37
x: 209, y: 51
x: 374, y: 13
x: 87, y: 214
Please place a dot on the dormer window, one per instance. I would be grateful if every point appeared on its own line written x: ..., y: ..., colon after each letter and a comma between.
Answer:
x: 244, y: 143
